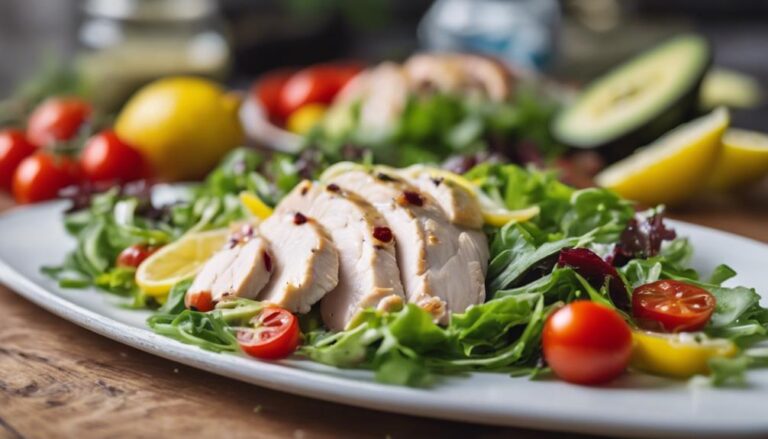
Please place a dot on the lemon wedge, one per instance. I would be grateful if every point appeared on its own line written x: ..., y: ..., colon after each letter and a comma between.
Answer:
x: 672, y: 168
x: 677, y: 355
x: 743, y: 159
x: 255, y: 205
x: 178, y: 261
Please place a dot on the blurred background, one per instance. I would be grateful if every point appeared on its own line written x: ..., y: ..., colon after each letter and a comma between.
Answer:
x: 114, y: 47
x: 236, y: 40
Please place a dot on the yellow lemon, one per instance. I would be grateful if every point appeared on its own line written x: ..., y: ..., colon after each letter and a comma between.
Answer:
x: 677, y: 355
x: 743, y: 159
x: 182, y: 125
x: 672, y: 168
x: 305, y: 118
x: 255, y: 205
x: 178, y: 261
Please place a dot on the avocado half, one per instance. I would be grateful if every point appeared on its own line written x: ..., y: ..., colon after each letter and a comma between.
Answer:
x: 638, y: 101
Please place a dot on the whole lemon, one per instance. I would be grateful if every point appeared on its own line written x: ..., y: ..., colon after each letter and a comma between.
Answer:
x: 182, y: 125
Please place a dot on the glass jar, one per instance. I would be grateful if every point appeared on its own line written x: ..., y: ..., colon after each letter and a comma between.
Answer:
x: 128, y: 43
x: 521, y: 32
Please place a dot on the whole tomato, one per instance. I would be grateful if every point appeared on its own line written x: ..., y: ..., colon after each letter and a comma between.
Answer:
x: 107, y: 159
x: 14, y: 147
x: 57, y: 119
x: 41, y: 176
x: 587, y: 343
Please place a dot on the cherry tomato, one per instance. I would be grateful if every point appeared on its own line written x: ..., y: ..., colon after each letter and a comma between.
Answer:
x: 41, y: 176
x: 587, y: 343
x: 199, y: 301
x: 315, y: 85
x: 57, y: 119
x: 14, y: 148
x: 268, y: 89
x: 134, y: 255
x: 275, y: 334
x: 672, y: 306
x: 106, y: 158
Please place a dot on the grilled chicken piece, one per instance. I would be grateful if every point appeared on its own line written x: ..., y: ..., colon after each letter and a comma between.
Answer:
x: 368, y: 272
x: 306, y: 264
x: 383, y: 95
x: 454, y: 73
x: 442, y: 266
x: 459, y: 204
x: 241, y: 268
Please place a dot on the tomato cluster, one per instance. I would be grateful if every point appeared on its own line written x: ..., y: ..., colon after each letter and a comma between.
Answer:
x: 283, y: 92
x: 588, y: 343
x: 36, y: 164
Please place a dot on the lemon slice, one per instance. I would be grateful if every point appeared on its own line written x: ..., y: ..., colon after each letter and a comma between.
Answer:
x: 178, y: 261
x: 672, y: 168
x: 255, y: 205
x: 743, y: 159
x: 677, y: 355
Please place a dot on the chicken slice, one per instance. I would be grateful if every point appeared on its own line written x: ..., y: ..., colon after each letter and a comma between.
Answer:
x: 368, y: 272
x: 306, y: 264
x: 442, y: 266
x: 456, y: 73
x: 460, y: 205
x: 241, y: 268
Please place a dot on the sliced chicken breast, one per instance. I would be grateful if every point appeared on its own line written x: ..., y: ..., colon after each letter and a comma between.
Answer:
x: 459, y: 73
x: 241, y: 268
x: 442, y: 266
x: 305, y: 262
x: 459, y: 204
x: 368, y: 273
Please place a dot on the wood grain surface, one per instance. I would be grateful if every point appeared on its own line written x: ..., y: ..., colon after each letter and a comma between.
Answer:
x: 59, y: 380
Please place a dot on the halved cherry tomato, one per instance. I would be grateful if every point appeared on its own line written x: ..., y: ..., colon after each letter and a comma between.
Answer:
x: 275, y: 334
x: 41, y: 176
x: 14, y: 147
x: 106, y: 158
x: 672, y: 306
x: 316, y: 85
x: 587, y: 343
x: 199, y: 301
x: 57, y: 119
x: 133, y: 256
x: 268, y: 90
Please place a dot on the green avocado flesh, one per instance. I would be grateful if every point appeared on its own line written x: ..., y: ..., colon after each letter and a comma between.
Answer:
x: 637, y: 101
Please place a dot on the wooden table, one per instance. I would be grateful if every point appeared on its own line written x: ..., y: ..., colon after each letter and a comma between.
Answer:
x: 59, y: 380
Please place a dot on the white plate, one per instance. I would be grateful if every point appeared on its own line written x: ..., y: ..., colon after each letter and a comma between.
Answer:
x: 636, y: 405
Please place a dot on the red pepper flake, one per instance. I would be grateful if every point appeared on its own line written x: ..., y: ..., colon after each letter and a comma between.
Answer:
x: 383, y: 234
x: 267, y: 261
x: 304, y: 190
x: 414, y: 198
x: 333, y: 187
x: 437, y: 181
x: 299, y: 219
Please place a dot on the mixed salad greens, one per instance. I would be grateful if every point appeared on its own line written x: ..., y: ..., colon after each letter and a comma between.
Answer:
x: 586, y: 244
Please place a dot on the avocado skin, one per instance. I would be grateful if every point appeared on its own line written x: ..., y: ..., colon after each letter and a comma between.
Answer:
x: 678, y: 112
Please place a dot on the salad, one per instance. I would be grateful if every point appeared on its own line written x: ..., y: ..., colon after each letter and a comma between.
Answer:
x: 416, y: 273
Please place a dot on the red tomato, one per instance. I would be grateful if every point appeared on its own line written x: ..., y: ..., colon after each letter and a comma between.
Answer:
x: 672, y: 306
x: 14, y: 148
x: 268, y: 89
x: 57, y: 119
x: 134, y: 255
x: 199, y: 301
x: 275, y: 335
x: 41, y: 176
x: 587, y: 343
x: 315, y: 85
x: 106, y: 158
